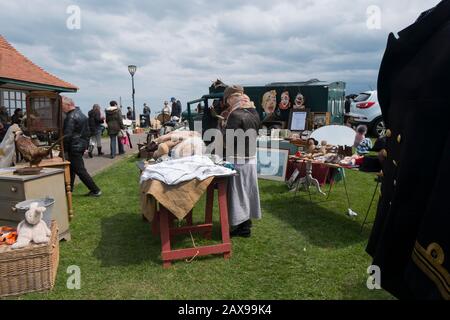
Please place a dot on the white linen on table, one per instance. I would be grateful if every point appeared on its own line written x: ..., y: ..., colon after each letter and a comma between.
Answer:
x: 173, y: 172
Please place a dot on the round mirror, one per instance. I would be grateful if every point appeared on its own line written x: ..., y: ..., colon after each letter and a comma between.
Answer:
x: 335, y: 135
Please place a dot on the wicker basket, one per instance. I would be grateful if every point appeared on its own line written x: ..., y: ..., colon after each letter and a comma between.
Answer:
x: 29, y: 269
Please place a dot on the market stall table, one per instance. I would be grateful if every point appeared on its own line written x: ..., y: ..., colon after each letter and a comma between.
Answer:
x: 308, y: 180
x: 162, y: 224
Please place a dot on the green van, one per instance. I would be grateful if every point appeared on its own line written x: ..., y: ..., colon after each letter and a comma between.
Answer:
x: 319, y: 96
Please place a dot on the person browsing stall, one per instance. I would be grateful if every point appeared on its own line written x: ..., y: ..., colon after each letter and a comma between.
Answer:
x: 241, y: 131
x: 114, y: 120
x: 95, y: 125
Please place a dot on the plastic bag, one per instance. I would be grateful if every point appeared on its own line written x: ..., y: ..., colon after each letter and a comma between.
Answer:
x: 7, y: 147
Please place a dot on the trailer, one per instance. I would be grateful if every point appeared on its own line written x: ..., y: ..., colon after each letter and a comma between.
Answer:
x: 319, y: 96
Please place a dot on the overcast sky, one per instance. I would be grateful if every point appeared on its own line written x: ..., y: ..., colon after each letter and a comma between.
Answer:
x: 180, y: 47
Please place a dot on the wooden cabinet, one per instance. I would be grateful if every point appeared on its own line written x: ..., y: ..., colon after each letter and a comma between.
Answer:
x: 59, y: 163
x: 49, y: 183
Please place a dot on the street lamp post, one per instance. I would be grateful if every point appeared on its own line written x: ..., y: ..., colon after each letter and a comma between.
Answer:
x: 132, y: 71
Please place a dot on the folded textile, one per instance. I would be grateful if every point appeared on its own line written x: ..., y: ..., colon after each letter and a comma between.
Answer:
x: 172, y: 172
x: 179, y: 199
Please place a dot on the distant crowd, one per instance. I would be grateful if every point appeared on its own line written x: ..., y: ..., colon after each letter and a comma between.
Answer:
x: 84, y: 133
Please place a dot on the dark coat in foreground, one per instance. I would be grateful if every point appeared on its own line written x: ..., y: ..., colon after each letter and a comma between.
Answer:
x: 410, y: 240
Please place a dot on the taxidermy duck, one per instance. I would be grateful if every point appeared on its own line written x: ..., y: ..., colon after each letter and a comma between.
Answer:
x: 30, y: 151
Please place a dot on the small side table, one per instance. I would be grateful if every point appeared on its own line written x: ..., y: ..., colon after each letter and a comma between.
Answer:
x: 162, y: 224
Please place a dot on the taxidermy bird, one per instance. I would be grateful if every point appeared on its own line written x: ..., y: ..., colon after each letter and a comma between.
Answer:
x: 30, y: 151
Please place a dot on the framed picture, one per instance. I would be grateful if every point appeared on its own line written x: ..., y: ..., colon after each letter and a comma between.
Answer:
x: 272, y: 164
x: 44, y: 112
x: 320, y: 119
x: 298, y: 120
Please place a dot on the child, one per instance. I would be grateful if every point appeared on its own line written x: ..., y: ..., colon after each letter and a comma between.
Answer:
x: 361, y: 132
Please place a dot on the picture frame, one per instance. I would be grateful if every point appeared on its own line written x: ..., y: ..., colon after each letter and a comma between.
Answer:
x: 298, y: 120
x: 44, y: 117
x: 272, y: 163
x: 44, y: 112
x: 320, y: 119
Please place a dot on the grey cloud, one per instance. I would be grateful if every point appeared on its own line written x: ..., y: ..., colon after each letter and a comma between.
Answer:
x: 181, y: 46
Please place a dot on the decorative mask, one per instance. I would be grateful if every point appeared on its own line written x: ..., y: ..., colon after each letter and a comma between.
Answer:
x: 269, y: 102
x: 285, y: 102
x: 299, y: 101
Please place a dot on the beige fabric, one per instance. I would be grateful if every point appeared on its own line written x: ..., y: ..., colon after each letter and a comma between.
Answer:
x: 182, y: 144
x: 179, y: 199
x: 177, y: 136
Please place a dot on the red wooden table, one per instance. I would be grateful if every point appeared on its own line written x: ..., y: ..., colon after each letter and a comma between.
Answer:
x: 163, y: 224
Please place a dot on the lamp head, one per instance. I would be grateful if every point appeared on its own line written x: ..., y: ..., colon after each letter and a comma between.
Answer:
x: 132, y: 69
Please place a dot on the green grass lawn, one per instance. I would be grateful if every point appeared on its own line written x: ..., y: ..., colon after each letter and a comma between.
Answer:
x: 297, y: 251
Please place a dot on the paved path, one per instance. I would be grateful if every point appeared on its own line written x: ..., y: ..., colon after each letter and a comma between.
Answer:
x: 100, y: 163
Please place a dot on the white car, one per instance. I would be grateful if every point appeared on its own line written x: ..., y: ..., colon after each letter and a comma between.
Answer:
x: 366, y: 110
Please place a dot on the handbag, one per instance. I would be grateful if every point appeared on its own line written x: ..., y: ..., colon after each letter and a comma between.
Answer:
x: 124, y: 140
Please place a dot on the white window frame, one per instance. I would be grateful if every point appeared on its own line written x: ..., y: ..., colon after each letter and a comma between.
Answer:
x: 13, y: 108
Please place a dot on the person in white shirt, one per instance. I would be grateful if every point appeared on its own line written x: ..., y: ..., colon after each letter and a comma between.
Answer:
x: 167, y: 109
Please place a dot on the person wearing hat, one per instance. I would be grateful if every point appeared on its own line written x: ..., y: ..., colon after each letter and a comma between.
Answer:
x: 243, y: 190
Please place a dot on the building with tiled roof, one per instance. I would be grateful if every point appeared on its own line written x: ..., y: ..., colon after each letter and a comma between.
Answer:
x: 19, y: 76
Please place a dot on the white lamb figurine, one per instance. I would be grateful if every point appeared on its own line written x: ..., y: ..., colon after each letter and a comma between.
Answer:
x: 33, y: 228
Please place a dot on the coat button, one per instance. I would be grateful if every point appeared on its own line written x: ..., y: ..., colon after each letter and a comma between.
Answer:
x: 388, y: 133
x: 395, y: 183
x: 395, y: 163
x: 399, y: 138
x: 384, y: 153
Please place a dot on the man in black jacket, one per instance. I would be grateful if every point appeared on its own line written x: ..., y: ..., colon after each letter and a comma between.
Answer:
x: 76, y: 141
x: 410, y: 240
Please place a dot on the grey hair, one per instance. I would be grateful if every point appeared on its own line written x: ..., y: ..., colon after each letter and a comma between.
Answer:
x: 67, y: 101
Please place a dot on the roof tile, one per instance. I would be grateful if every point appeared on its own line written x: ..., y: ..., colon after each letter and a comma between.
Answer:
x: 15, y: 66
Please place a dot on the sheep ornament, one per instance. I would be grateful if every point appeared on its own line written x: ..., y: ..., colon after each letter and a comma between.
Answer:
x: 33, y: 228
